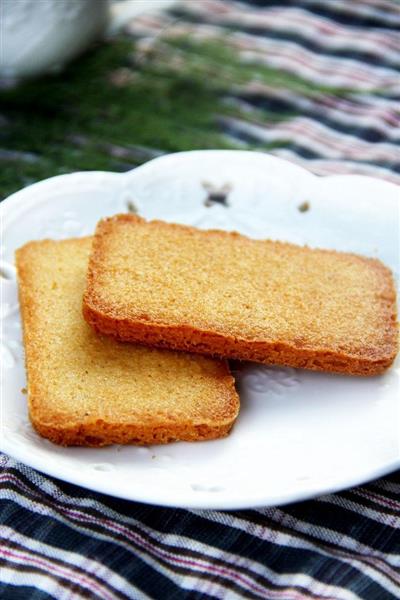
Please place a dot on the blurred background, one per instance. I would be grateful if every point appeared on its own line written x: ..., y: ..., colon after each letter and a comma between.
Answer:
x: 108, y: 85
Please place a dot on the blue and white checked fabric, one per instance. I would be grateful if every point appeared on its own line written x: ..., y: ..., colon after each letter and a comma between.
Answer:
x: 61, y: 541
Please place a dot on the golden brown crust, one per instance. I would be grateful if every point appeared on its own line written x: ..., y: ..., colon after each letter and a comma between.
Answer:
x: 209, y: 343
x: 103, y: 434
x: 367, y: 348
x: 88, y: 390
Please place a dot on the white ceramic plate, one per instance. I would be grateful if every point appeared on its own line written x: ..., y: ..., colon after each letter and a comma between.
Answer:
x: 299, y: 434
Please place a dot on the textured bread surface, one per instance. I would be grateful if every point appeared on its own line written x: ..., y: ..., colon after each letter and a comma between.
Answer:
x: 85, y: 389
x: 223, y: 294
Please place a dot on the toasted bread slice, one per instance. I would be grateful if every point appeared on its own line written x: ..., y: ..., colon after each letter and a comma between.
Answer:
x: 223, y: 294
x: 89, y: 390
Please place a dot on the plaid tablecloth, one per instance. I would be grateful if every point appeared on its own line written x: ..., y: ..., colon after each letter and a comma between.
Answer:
x: 61, y: 541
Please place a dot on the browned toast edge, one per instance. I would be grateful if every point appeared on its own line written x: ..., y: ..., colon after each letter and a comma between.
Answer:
x: 104, y: 318
x: 97, y: 432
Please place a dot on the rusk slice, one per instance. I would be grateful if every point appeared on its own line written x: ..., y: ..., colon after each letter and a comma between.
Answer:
x: 223, y: 294
x: 89, y: 390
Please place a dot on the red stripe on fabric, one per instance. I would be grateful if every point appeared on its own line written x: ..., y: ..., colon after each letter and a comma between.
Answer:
x: 380, y: 499
x: 51, y: 566
x: 164, y: 554
x: 200, y: 564
x: 296, y: 595
x: 373, y: 561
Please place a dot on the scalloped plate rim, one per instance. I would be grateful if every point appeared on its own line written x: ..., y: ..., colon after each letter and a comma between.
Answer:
x: 202, y: 500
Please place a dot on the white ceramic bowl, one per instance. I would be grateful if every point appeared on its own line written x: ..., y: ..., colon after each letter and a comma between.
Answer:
x: 40, y: 36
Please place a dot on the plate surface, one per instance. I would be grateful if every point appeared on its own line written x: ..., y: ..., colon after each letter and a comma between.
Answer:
x: 299, y: 434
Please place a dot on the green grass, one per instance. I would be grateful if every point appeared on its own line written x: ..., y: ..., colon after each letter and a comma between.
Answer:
x: 164, y: 106
x: 170, y: 112
x: 218, y: 59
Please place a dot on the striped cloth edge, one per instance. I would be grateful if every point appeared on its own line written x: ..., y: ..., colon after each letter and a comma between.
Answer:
x: 69, y: 542
x: 357, y: 131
